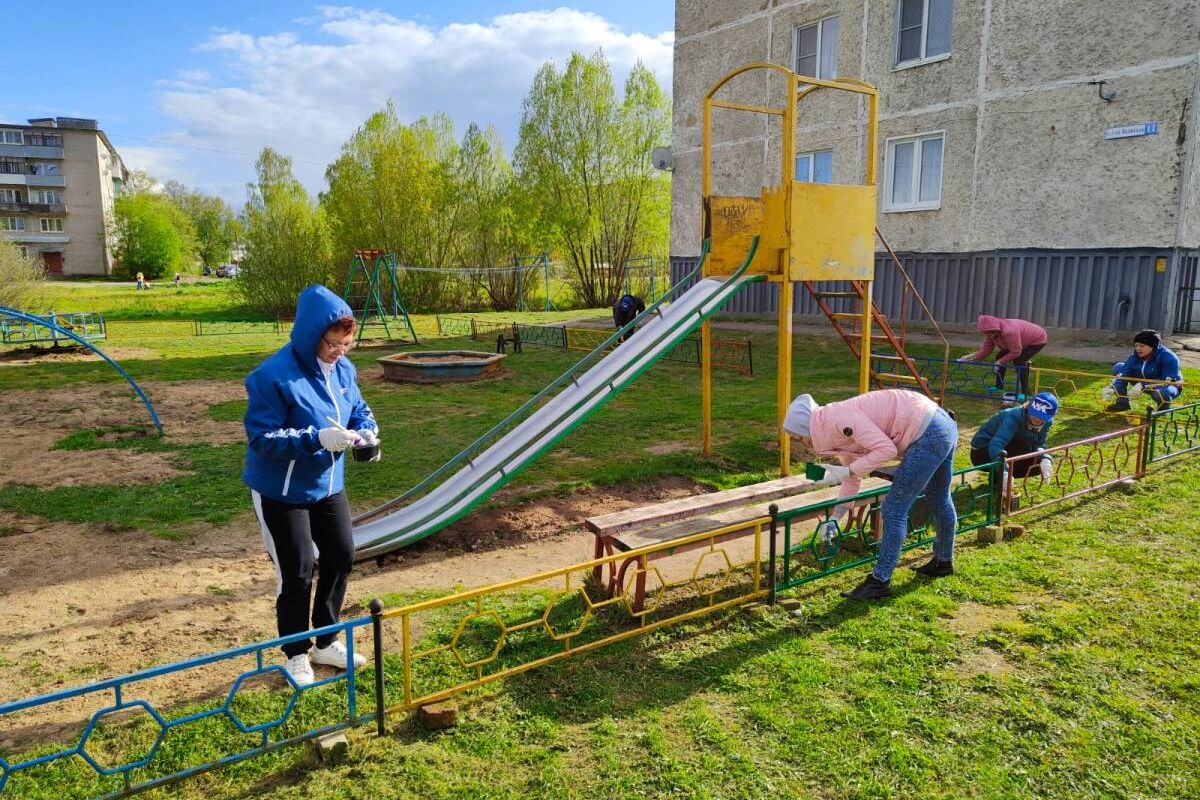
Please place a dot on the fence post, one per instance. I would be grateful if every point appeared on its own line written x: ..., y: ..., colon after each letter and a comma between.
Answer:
x: 1001, y: 486
x: 564, y: 337
x: 750, y: 355
x: 1147, y: 443
x: 474, y: 332
x: 773, y: 510
x: 377, y: 627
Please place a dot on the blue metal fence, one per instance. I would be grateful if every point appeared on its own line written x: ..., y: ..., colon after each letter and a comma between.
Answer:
x: 269, y: 733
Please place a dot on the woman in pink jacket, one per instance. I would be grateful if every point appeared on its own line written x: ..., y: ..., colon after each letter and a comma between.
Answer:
x: 870, y: 430
x: 1017, y: 340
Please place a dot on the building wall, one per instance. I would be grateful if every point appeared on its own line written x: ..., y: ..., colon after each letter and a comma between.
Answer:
x: 1025, y: 164
x: 87, y: 194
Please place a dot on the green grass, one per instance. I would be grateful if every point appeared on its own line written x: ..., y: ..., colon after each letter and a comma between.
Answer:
x: 207, y: 299
x: 1062, y: 664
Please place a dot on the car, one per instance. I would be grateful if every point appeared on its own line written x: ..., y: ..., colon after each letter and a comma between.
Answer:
x: 227, y: 271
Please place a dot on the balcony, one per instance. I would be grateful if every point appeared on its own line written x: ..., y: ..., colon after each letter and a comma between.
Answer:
x: 31, y: 150
x: 50, y: 181
x: 35, y: 237
x: 34, y: 208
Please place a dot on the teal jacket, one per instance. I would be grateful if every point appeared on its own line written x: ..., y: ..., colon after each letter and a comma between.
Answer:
x: 1006, y: 427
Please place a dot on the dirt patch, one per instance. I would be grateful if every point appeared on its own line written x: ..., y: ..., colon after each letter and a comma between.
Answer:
x: 71, y: 353
x: 971, y: 619
x: 666, y: 448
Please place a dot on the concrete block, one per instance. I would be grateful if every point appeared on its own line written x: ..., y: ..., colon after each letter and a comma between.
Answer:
x: 1013, y: 531
x: 332, y: 749
x: 989, y: 534
x: 438, y: 716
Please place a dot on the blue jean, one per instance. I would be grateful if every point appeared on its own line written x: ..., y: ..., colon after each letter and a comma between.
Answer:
x: 927, y: 466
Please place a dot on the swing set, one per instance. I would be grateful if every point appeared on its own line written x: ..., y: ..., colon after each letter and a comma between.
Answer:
x: 373, y: 294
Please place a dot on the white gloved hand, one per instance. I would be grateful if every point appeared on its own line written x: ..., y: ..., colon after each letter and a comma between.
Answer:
x: 335, y: 440
x: 835, y: 473
x: 1135, y: 391
x: 1107, y: 394
x: 368, y: 435
x: 828, y: 531
x: 1046, y: 467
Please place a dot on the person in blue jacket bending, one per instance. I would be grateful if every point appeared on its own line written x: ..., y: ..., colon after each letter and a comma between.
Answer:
x: 1018, y: 431
x: 625, y: 310
x: 304, y: 411
x: 1150, y: 359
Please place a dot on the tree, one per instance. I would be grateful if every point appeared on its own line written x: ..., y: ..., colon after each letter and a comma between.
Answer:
x: 151, y: 234
x: 585, y: 159
x: 21, y: 279
x: 286, y: 237
x: 214, y: 224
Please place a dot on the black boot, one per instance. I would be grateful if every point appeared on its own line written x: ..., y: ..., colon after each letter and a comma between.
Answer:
x: 870, y: 589
x: 935, y: 568
x: 1122, y: 404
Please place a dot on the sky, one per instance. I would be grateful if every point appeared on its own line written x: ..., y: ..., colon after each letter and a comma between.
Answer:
x: 192, y: 91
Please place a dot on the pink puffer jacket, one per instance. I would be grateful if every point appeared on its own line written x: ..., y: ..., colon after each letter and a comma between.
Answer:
x: 1014, y: 336
x: 867, y: 431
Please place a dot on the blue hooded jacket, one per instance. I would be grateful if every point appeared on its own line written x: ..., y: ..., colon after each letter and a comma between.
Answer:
x: 289, y: 400
x: 1004, y: 428
x: 1162, y: 365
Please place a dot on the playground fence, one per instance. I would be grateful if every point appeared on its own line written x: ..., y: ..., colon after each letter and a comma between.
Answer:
x: 1173, y: 432
x: 87, y: 325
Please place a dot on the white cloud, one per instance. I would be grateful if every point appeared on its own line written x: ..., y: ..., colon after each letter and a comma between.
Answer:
x: 305, y: 97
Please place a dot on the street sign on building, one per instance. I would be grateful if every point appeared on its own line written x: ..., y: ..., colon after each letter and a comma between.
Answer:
x: 1130, y: 131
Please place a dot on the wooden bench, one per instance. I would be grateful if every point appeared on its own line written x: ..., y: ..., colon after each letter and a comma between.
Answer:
x: 661, y: 523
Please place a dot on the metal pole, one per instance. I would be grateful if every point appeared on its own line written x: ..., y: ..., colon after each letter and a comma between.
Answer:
x: 864, y: 349
x: 773, y: 509
x: 377, y: 626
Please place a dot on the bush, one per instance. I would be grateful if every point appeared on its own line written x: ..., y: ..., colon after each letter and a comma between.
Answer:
x: 21, y: 279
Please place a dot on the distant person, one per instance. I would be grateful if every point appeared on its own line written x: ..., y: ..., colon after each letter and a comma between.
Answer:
x: 141, y: 281
x: 1151, y: 360
x: 864, y: 433
x: 1019, y: 431
x: 177, y: 280
x: 304, y: 411
x: 1016, y: 340
x: 625, y: 311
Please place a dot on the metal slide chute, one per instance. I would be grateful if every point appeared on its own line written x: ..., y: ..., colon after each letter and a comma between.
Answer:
x: 36, y: 320
x: 496, y: 458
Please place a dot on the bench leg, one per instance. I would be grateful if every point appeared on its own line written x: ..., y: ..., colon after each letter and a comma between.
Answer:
x: 639, y: 591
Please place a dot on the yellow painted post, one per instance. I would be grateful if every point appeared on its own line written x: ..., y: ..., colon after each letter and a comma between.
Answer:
x: 706, y: 327
x: 787, y: 174
x: 864, y: 350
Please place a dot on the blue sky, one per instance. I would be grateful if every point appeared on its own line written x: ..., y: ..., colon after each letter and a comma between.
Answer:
x: 193, y: 90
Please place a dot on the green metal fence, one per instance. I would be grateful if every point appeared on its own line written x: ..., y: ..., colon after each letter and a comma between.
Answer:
x: 1173, y: 432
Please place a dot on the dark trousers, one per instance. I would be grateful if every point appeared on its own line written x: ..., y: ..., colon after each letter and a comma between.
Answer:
x: 291, y: 533
x: 1021, y: 468
x: 621, y: 320
x: 1021, y: 362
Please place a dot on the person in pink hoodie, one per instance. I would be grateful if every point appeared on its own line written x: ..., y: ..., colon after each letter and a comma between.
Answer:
x: 869, y: 430
x: 1017, y: 342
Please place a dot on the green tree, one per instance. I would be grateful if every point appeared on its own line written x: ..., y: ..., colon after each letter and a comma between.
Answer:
x: 21, y: 279
x: 584, y: 157
x: 213, y: 221
x: 151, y: 234
x: 286, y: 238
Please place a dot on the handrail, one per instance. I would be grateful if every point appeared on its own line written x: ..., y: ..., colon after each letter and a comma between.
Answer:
x: 465, y: 455
x: 910, y: 286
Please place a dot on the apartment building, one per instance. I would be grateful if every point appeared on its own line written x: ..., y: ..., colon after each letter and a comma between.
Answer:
x: 1036, y: 159
x: 58, y: 179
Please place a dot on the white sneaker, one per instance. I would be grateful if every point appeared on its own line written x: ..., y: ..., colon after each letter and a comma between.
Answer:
x: 335, y: 656
x: 300, y: 669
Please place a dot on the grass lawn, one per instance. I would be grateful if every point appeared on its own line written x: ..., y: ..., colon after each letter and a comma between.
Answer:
x: 1062, y: 664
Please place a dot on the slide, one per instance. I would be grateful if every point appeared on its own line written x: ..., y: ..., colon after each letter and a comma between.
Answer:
x: 483, y: 468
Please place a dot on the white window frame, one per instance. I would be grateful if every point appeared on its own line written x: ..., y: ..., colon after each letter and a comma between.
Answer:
x: 897, y: 64
x: 14, y: 223
x: 4, y: 134
x: 812, y: 164
x: 889, y: 172
x: 820, y: 26
x: 52, y: 224
x: 10, y: 196
x: 45, y: 196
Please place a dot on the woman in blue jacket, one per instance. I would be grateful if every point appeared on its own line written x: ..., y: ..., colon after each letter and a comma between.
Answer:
x: 1018, y: 431
x: 1149, y: 360
x: 304, y: 411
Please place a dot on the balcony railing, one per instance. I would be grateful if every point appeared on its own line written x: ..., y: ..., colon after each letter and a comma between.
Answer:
x: 12, y: 167
x: 34, y: 208
x: 36, y: 140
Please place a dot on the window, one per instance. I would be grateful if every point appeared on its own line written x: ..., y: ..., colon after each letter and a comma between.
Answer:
x: 43, y: 168
x: 12, y: 224
x: 816, y: 48
x: 815, y: 167
x: 923, y: 30
x: 11, y: 137
x: 914, y: 173
x: 45, y: 196
x: 10, y: 195
x: 51, y: 225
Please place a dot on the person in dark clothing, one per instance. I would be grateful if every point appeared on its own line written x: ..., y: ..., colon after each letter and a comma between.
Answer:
x: 625, y: 310
x: 1150, y: 360
x: 1018, y: 431
x: 304, y: 410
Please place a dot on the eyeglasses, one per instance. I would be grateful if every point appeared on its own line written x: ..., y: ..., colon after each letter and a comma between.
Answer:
x: 345, y: 348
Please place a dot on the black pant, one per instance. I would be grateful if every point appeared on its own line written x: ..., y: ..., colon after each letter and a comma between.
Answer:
x: 1021, y: 362
x: 621, y: 319
x: 1021, y: 468
x: 290, y: 533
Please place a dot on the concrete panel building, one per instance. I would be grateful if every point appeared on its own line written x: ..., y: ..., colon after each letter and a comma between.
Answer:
x: 58, y: 180
x: 1037, y: 158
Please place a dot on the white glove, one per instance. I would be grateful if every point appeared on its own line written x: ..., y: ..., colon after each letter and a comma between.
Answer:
x: 828, y: 531
x: 1107, y: 394
x: 835, y: 473
x: 1046, y: 467
x: 335, y: 440
x: 368, y: 435
x: 1135, y: 391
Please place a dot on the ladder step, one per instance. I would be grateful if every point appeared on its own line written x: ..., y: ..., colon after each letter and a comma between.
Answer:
x: 834, y: 295
x: 891, y: 377
x: 875, y: 337
x: 845, y: 315
x: 897, y: 359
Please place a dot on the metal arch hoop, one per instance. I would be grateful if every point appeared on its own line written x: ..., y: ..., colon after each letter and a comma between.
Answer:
x: 12, y: 312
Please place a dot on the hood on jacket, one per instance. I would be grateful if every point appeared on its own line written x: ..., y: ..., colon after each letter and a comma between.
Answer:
x: 316, y: 310
x: 987, y: 323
